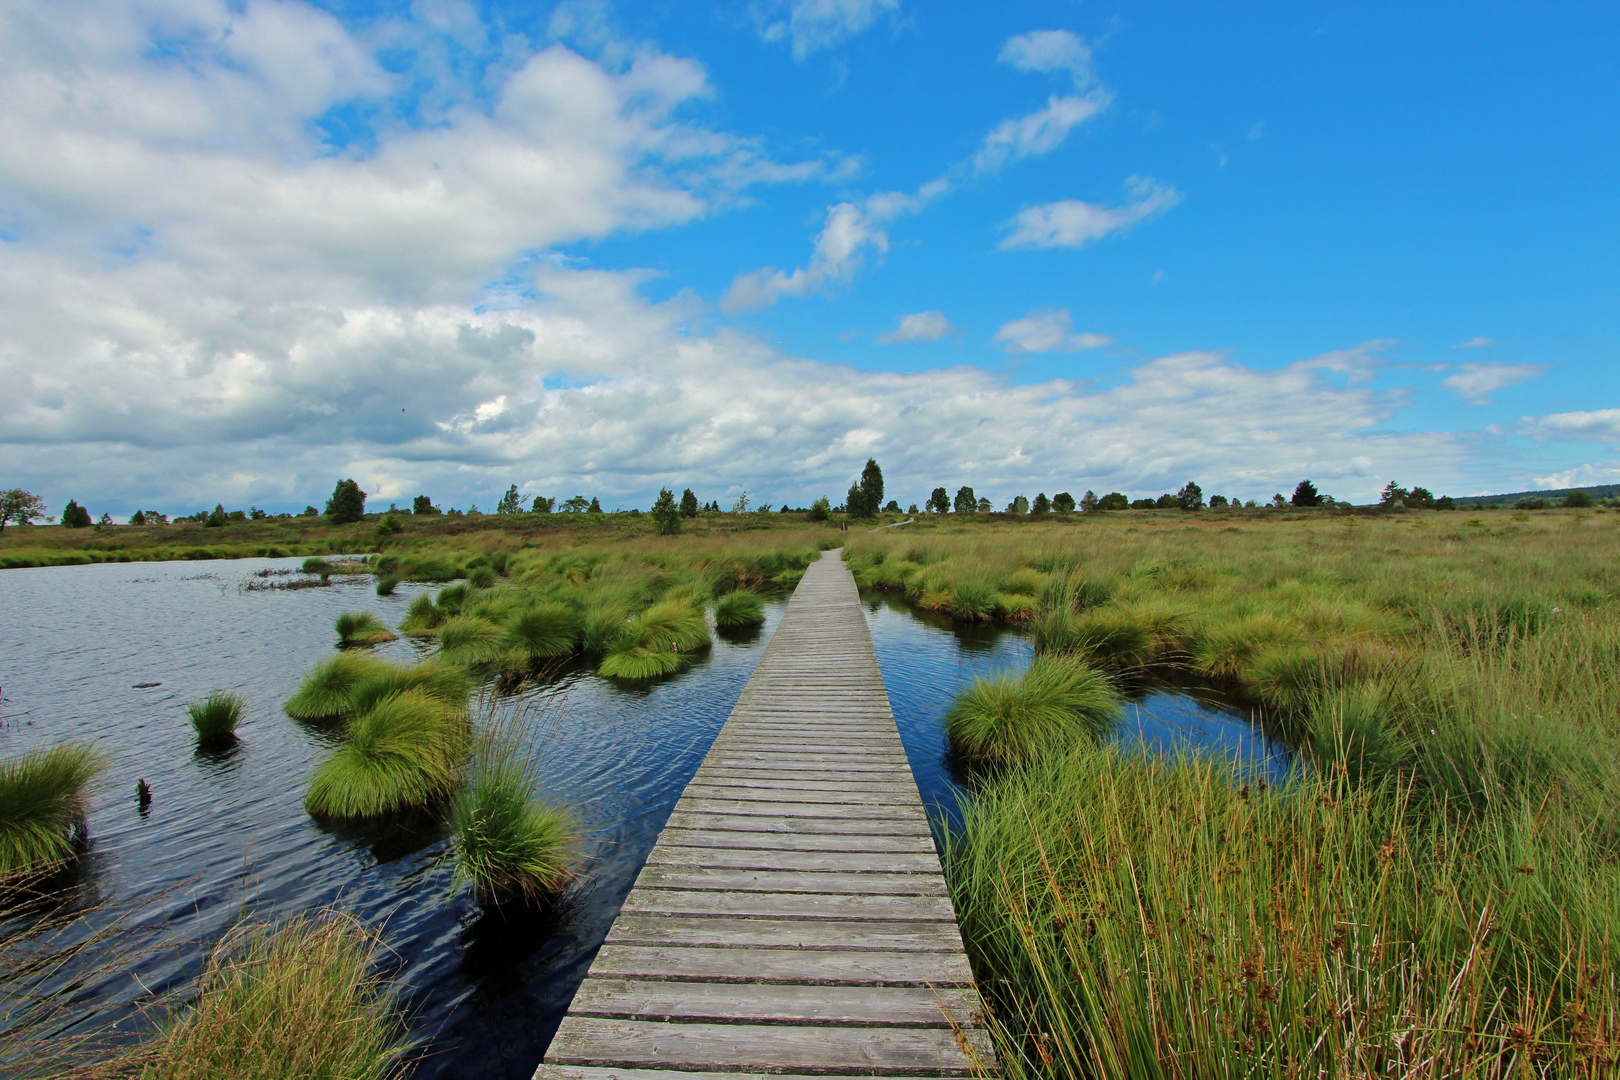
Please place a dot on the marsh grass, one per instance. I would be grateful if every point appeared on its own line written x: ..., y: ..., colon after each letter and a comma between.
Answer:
x: 508, y: 845
x: 422, y: 617
x: 326, y: 693
x: 739, y: 608
x: 541, y: 631
x: 1009, y: 719
x: 361, y: 628
x: 1138, y: 917
x: 215, y: 717
x: 403, y: 753
x: 305, y: 999
x: 387, y: 583
x: 43, y: 797
x: 469, y: 641
x: 659, y: 642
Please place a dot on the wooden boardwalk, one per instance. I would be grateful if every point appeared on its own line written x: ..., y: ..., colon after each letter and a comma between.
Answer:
x: 792, y: 917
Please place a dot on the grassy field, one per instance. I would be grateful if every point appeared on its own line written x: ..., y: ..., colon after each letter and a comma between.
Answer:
x: 51, y: 545
x: 1437, y: 893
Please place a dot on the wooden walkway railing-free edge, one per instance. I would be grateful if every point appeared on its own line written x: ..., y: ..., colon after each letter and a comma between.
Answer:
x: 792, y: 917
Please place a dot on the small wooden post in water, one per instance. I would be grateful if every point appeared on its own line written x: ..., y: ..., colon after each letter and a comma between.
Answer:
x: 792, y: 917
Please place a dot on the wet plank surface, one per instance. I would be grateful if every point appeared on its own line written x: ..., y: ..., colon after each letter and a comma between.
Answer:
x: 792, y: 918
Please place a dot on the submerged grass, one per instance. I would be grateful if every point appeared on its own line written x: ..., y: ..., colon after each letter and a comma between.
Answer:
x: 215, y: 717
x: 302, y: 1000
x: 403, y: 753
x: 43, y: 797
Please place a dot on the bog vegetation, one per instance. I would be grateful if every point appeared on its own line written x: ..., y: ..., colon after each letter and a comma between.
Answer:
x: 1436, y: 891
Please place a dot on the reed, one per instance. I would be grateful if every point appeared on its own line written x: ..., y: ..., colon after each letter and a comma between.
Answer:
x: 401, y: 754
x: 739, y: 608
x: 361, y: 628
x: 1131, y: 917
x: 506, y: 844
x: 215, y: 717
x: 1009, y: 719
x: 301, y: 1000
x: 327, y: 692
x: 43, y: 797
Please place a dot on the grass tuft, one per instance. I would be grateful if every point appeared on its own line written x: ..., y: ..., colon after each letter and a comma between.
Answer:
x: 741, y: 607
x: 362, y: 628
x: 422, y: 617
x: 387, y: 584
x: 401, y: 754
x: 215, y: 717
x: 42, y: 806
x: 657, y: 643
x: 1009, y: 719
x: 506, y: 844
x: 327, y: 692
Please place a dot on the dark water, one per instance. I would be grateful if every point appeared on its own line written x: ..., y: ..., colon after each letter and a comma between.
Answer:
x: 227, y: 833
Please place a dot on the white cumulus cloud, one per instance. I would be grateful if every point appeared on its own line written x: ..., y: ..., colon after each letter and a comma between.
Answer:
x: 922, y: 326
x: 1475, y: 383
x: 1072, y: 223
x: 1050, y: 50
x: 1048, y: 331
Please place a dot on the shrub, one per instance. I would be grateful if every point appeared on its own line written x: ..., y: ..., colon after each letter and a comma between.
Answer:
x: 401, y: 754
x: 215, y: 717
x: 327, y: 692
x: 304, y: 1000
x: 505, y: 843
x: 361, y: 628
x: 42, y: 806
x: 739, y: 608
x: 1007, y: 719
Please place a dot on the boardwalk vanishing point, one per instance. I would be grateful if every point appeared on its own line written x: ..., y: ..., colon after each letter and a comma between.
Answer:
x: 792, y: 918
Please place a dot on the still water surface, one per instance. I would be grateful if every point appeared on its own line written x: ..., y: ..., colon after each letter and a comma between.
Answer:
x: 227, y: 832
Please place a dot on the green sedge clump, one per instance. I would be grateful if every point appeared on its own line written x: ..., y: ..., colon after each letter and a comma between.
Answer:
x: 1009, y: 719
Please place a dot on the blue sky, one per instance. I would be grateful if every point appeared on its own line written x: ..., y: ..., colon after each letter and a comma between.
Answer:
x: 247, y: 248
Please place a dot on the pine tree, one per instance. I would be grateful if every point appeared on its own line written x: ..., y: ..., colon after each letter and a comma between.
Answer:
x: 871, y: 488
x: 666, y: 513
x: 689, y: 504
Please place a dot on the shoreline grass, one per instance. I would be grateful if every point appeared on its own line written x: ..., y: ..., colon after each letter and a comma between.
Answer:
x: 738, y: 609
x: 43, y: 797
x: 215, y: 717
x: 301, y: 1000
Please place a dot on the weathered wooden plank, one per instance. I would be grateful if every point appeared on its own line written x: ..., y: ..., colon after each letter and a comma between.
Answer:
x: 785, y: 905
x: 872, y: 810
x: 802, y: 824
x: 785, y: 841
x: 874, y: 883
x: 592, y: 1072
x: 812, y: 967
x: 770, y: 1047
x: 843, y: 935
x: 767, y: 859
x: 899, y: 1006
x: 757, y: 782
